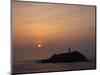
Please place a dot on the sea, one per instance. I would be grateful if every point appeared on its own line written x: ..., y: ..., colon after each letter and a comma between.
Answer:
x: 27, y: 67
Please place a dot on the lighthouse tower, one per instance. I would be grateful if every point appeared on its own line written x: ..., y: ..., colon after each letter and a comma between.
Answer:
x: 69, y: 50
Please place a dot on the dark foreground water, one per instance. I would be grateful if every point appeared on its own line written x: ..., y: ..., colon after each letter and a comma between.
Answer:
x: 30, y: 67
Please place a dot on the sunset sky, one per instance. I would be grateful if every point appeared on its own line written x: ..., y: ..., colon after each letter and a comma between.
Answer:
x: 42, y: 29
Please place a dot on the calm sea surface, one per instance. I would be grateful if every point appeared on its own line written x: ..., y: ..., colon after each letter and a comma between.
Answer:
x: 30, y: 67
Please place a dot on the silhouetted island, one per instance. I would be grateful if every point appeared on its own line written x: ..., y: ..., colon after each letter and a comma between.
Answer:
x: 74, y: 56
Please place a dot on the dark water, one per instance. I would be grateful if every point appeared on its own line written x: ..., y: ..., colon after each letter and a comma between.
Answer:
x: 30, y: 67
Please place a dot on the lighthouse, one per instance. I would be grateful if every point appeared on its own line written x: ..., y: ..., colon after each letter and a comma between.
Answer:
x: 69, y: 50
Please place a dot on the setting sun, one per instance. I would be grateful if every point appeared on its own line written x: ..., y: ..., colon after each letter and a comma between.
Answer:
x: 39, y: 45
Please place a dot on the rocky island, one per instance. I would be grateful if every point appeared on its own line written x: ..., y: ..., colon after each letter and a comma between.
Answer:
x: 74, y: 56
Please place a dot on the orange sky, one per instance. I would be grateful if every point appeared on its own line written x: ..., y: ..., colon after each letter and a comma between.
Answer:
x: 51, y: 24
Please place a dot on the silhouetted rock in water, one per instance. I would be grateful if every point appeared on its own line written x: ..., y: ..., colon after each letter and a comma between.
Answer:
x: 74, y: 56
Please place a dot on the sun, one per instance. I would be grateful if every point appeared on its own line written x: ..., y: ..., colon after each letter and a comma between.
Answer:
x: 39, y: 45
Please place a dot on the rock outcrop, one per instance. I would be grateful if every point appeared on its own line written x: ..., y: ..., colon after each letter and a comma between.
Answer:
x: 74, y: 56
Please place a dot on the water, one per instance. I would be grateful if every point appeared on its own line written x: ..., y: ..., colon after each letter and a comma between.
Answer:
x: 30, y: 67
